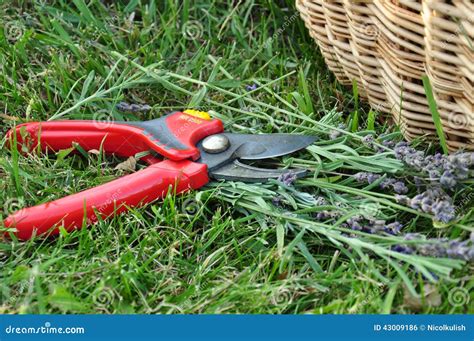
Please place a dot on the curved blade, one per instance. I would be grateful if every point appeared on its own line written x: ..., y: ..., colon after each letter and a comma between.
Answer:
x: 255, y: 147
x: 238, y: 171
x: 265, y: 146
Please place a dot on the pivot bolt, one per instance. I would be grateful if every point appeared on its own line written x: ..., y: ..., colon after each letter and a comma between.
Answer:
x: 215, y: 144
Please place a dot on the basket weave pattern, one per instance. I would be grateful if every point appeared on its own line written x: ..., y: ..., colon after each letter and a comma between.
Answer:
x: 388, y: 45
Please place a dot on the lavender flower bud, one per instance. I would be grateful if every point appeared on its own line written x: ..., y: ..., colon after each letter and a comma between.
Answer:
x: 277, y: 201
x: 400, y: 188
x: 368, y: 140
x: 448, y: 180
x: 360, y: 177
x: 320, y: 201
x: 402, y: 199
x: 402, y: 249
x: 394, y: 228
x: 443, y: 211
x: 287, y: 178
x: 124, y: 106
x: 251, y: 87
x: 371, y: 177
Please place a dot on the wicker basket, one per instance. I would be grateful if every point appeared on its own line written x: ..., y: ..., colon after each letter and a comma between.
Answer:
x: 386, y: 46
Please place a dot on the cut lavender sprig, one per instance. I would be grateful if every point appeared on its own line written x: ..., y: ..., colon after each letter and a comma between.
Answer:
x: 446, y: 170
x: 398, y: 186
x: 432, y: 201
x: 134, y: 107
x: 362, y: 223
x: 437, y: 247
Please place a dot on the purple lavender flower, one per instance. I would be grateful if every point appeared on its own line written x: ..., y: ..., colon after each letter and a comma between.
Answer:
x: 371, y: 177
x: 387, y: 183
x: 443, y: 211
x: 360, y: 177
x: 277, y: 201
x: 388, y: 143
x: 251, y: 87
x: 448, y: 180
x: 354, y: 224
x: 403, y: 249
x: 122, y: 106
x: 394, y: 228
x: 433, y: 201
x: 400, y: 188
x: 287, y: 178
x: 447, y: 170
x: 427, y: 204
x: 325, y: 215
x: 438, y: 247
x: 368, y: 140
x: 320, y: 201
x: 402, y: 199
x: 457, y: 249
x: 418, y: 181
x: 134, y: 107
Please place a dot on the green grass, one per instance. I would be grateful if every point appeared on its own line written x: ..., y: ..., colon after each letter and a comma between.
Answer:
x: 226, y: 248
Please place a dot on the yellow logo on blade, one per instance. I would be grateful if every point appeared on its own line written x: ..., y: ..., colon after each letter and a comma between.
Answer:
x: 200, y: 114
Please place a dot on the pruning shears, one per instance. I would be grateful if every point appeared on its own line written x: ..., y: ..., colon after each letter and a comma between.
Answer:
x: 187, y: 150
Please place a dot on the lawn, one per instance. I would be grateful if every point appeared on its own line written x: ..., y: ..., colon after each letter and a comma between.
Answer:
x: 333, y: 242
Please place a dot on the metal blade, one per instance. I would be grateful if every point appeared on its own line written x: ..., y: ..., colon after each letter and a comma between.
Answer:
x: 238, y: 171
x: 254, y: 147
x: 265, y: 146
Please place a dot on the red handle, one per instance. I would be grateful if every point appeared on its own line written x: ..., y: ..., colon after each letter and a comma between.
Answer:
x: 173, y: 136
x: 120, y: 139
x: 81, y: 209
